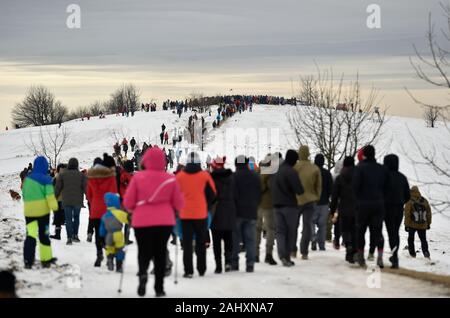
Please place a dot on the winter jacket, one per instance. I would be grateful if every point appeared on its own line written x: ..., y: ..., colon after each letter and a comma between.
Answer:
x: 132, y: 142
x: 343, y: 197
x: 327, y: 184
x: 266, y: 196
x: 285, y: 185
x: 399, y: 192
x: 310, y: 178
x: 125, y: 179
x: 224, y: 211
x: 71, y: 185
x: 198, y: 188
x: 38, y: 192
x: 100, y: 181
x: 247, y: 192
x: 410, y: 209
x: 153, y: 195
x: 112, y: 222
x: 371, y: 183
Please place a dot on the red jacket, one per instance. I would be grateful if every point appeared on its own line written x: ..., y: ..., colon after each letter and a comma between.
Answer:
x: 125, y: 179
x: 100, y: 181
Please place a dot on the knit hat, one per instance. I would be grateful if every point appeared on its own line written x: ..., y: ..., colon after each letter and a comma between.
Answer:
x: 319, y: 160
x: 360, y: 154
x: 349, y: 162
x: 108, y: 161
x: 98, y: 161
x: 241, y: 161
x: 218, y: 163
x: 291, y: 157
x: 369, y: 152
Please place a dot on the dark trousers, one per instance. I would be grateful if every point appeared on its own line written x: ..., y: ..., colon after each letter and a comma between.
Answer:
x: 423, y: 241
x: 306, y: 211
x: 337, y: 232
x: 245, y: 232
x: 199, y: 228
x: 58, y: 217
x: 347, y: 225
x: 152, y: 245
x: 393, y: 220
x: 227, y: 237
x: 99, y: 241
x: 90, y: 229
x: 371, y: 216
x: 37, y: 229
x: 287, y: 218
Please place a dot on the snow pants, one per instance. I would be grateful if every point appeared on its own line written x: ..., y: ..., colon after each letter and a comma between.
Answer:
x: 37, y: 229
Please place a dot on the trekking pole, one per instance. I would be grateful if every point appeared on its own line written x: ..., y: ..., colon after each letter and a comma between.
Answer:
x: 123, y: 271
x: 176, y: 260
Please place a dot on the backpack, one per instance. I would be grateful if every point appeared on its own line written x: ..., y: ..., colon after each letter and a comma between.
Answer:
x: 419, y: 212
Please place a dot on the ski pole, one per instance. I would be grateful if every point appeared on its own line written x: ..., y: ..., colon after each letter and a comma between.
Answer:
x: 176, y: 260
x: 123, y: 271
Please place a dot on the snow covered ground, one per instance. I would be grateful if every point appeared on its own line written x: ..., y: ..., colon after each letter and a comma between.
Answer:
x: 324, y: 275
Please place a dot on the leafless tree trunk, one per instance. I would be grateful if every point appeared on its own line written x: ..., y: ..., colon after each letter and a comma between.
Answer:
x: 336, y: 133
x: 50, y: 143
x: 431, y: 116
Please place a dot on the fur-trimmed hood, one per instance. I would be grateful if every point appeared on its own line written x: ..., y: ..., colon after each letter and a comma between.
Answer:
x: 99, y: 171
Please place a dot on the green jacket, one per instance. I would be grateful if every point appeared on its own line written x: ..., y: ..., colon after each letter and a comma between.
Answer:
x: 310, y: 178
x: 266, y: 196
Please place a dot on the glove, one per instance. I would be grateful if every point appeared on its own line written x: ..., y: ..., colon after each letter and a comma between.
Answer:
x: 406, y: 229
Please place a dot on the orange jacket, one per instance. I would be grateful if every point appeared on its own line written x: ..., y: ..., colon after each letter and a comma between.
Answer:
x: 194, y: 187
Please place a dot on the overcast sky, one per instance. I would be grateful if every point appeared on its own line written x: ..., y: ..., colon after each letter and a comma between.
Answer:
x: 171, y: 48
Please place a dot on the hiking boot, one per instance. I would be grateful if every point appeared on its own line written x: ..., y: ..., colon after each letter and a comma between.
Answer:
x: 28, y: 266
x: 294, y: 254
x: 119, y: 266
x: 412, y: 254
x: 69, y: 241
x: 359, y: 258
x: 89, y: 237
x: 304, y: 257
x: 160, y: 294
x: 380, y: 263
x: 47, y: 264
x: 98, y: 261
x: 314, y: 246
x: 235, y: 268
x: 426, y: 254
x: 286, y: 263
x: 394, y: 261
x: 57, y: 235
x: 188, y: 275
x: 201, y: 274
x: 218, y: 269
x: 142, y: 284
x: 227, y: 268
x: 250, y: 269
x: 349, y: 256
x: 110, y: 262
x: 269, y: 260
x: 336, y: 245
x: 370, y: 257
x: 75, y: 239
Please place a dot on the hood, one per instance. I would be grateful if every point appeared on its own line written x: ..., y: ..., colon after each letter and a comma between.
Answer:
x: 193, y: 168
x: 40, y: 165
x: 73, y: 164
x: 391, y: 162
x: 99, y: 171
x: 319, y: 160
x: 40, y: 171
x: 154, y: 159
x: 415, y: 193
x: 303, y: 153
x: 112, y: 200
x: 221, y: 173
x: 241, y: 162
x: 360, y: 155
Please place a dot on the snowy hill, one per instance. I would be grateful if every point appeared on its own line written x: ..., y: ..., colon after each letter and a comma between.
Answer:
x: 324, y: 275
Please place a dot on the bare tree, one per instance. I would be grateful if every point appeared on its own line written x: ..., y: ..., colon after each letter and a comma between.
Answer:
x: 431, y: 116
x: 127, y: 95
x: 434, y: 69
x: 338, y: 121
x: 49, y: 143
x: 38, y: 108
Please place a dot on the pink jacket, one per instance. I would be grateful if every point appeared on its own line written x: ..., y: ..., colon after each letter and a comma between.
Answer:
x: 153, y: 195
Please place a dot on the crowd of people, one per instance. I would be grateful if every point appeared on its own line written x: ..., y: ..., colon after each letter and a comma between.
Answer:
x: 235, y: 209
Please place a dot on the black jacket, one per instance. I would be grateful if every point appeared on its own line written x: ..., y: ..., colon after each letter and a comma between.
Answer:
x: 399, y: 192
x: 327, y: 187
x: 247, y: 193
x: 343, y: 197
x: 285, y: 185
x: 371, y: 183
x: 224, y: 209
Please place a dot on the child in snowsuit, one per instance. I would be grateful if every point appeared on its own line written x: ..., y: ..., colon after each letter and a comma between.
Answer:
x: 111, y: 228
x: 417, y: 219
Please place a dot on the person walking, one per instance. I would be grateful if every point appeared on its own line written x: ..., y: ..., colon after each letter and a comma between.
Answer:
x: 71, y: 185
x: 132, y: 144
x: 321, y: 210
x: 311, y: 180
x: 285, y: 186
x: 247, y: 198
x: 58, y: 216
